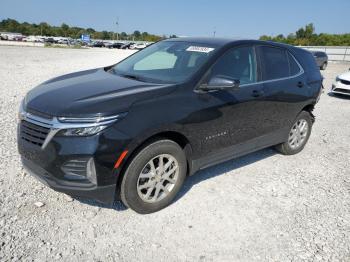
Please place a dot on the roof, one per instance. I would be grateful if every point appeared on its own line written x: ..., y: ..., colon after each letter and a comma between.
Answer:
x: 206, y: 40
x: 217, y: 41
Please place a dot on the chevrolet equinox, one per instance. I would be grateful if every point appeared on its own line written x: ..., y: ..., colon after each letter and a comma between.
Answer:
x: 136, y: 129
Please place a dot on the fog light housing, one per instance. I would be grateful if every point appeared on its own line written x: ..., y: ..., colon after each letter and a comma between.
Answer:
x: 80, y: 170
x: 91, y: 171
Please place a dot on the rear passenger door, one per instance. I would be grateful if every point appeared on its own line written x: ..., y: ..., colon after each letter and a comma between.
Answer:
x: 284, y: 85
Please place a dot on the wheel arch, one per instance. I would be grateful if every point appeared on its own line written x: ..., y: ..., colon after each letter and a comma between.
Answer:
x: 309, y: 108
x: 175, y: 136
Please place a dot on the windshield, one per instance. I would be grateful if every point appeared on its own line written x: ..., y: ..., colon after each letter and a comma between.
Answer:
x: 165, y: 62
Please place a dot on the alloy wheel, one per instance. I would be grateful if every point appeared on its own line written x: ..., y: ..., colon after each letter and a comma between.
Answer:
x: 298, y: 134
x: 158, y: 178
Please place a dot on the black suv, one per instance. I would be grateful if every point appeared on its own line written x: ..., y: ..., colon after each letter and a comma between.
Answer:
x: 136, y: 129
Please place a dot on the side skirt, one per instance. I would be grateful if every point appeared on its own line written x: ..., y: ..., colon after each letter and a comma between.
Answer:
x: 238, y: 150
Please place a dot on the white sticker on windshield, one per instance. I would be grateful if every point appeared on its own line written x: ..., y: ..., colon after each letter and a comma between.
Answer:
x: 201, y: 49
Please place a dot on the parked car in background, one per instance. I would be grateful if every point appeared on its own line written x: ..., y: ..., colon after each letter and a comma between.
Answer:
x: 321, y: 59
x: 137, y: 129
x: 50, y: 40
x: 138, y: 46
x: 12, y: 36
x: 115, y: 45
x: 97, y: 44
x: 64, y: 41
x: 33, y: 38
x: 3, y: 36
x: 342, y: 84
x: 127, y: 45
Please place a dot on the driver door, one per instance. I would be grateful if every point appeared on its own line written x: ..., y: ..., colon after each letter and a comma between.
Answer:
x: 241, y: 115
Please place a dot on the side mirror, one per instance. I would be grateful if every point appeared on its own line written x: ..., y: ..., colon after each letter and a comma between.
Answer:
x: 220, y: 83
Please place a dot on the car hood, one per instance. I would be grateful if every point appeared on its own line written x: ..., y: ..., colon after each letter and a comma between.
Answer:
x: 90, y: 93
x: 345, y: 76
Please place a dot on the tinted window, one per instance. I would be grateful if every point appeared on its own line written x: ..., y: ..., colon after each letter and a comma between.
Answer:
x: 294, y: 68
x: 238, y: 63
x: 275, y: 63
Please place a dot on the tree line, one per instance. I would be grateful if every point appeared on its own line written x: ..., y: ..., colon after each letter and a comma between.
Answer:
x: 44, y: 29
x: 306, y: 36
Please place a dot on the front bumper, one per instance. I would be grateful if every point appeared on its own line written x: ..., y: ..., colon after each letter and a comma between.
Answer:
x: 78, y: 166
x: 340, y: 88
x: 103, y: 194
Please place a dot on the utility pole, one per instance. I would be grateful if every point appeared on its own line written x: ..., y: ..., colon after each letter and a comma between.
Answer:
x: 214, y: 31
x: 117, y: 23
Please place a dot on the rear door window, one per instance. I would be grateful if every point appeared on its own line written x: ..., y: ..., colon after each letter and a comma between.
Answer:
x: 275, y: 63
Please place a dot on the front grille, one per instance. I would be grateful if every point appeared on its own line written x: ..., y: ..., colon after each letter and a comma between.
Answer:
x: 342, y: 90
x: 344, y: 82
x: 32, y: 133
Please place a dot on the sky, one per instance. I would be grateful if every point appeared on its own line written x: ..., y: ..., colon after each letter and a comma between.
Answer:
x: 235, y: 18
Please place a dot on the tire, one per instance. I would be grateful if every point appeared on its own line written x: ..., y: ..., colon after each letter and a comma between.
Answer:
x: 289, y: 148
x: 324, y: 66
x: 140, y: 177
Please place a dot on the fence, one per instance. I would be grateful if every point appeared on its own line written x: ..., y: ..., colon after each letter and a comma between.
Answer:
x: 335, y: 53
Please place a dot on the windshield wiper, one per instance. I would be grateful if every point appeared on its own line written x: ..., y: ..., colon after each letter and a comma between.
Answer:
x: 125, y: 75
x: 131, y: 77
x: 138, y: 78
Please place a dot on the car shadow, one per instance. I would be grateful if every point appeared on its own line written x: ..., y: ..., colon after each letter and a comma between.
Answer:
x: 223, y: 168
x: 117, y: 205
x: 197, y: 178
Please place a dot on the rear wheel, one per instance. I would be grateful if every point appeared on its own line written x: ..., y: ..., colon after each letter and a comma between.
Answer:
x: 298, y: 135
x: 154, y: 177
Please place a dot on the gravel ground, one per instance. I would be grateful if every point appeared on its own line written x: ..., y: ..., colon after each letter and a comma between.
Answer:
x: 261, y: 207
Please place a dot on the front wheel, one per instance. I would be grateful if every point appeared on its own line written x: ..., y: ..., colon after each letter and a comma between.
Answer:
x: 324, y: 66
x: 154, y: 177
x: 298, y: 135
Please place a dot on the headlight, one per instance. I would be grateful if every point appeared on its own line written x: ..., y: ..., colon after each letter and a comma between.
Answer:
x: 92, y: 120
x: 82, y: 131
x: 86, y: 126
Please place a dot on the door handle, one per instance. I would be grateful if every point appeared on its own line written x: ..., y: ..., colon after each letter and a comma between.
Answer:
x: 300, y: 84
x: 257, y: 93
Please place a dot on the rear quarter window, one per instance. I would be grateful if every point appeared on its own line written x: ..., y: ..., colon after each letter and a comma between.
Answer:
x: 294, y: 68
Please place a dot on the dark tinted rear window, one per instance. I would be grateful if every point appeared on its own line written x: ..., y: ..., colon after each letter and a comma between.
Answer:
x: 274, y: 63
